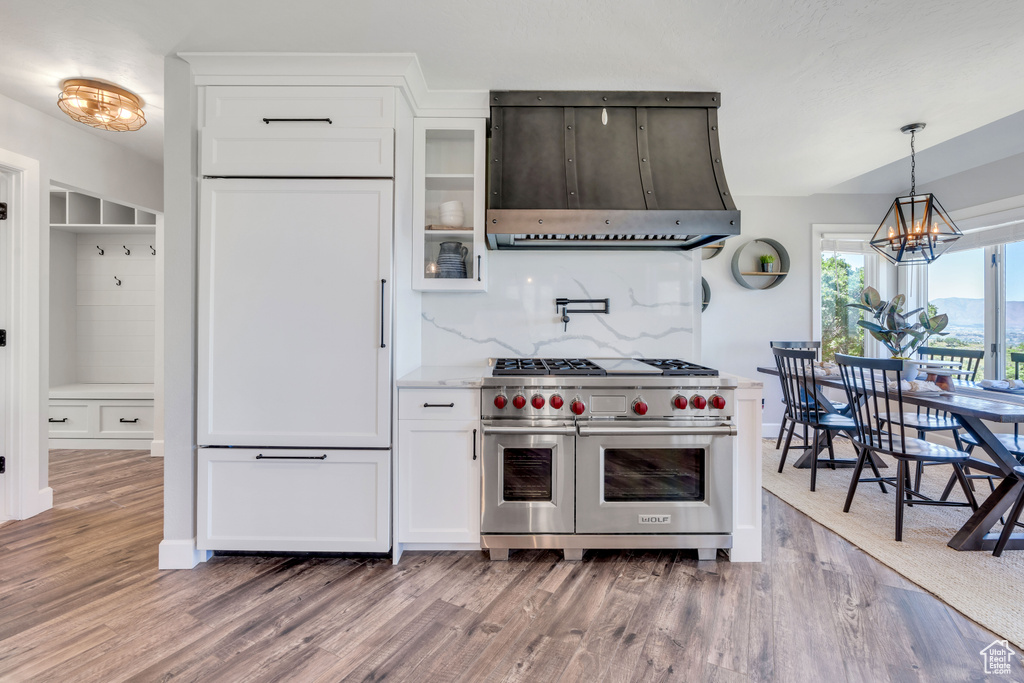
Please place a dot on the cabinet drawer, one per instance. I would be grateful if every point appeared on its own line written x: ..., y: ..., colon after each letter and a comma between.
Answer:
x: 298, y: 152
x: 68, y: 419
x: 247, y: 106
x: 294, y: 500
x: 128, y: 421
x: 439, y: 404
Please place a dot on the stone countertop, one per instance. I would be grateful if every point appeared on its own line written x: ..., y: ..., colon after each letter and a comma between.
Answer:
x: 455, y: 376
x: 743, y: 382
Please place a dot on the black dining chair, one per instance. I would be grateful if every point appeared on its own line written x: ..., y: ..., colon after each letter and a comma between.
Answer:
x: 800, y: 391
x: 1011, y: 442
x: 867, y: 382
x: 924, y: 420
x: 805, y: 346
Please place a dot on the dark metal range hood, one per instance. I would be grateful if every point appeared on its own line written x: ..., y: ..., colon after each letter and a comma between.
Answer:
x: 618, y: 170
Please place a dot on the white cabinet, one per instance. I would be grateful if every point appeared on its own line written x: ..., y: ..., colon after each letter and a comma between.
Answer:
x: 101, y: 416
x: 438, y: 470
x: 298, y: 131
x: 293, y: 500
x: 449, y: 167
x: 295, y: 313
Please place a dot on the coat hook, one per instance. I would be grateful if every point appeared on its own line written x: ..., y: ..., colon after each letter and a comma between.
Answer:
x: 127, y: 251
x: 117, y: 281
x: 101, y: 251
x: 152, y: 249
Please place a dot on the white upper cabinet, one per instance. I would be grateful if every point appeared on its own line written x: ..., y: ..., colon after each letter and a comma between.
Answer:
x: 298, y: 131
x: 449, y: 253
x: 295, y: 313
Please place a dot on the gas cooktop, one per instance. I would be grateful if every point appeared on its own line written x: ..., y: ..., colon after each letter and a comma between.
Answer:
x: 599, y: 367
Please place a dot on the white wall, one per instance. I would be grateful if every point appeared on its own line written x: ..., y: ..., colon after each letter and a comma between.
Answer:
x: 63, y: 311
x: 652, y: 308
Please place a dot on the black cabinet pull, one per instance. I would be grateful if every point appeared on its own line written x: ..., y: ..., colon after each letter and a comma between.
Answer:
x: 63, y: 419
x: 291, y: 457
x: 382, y: 282
x: 323, y: 120
x: 131, y: 421
x: 474, y: 444
x: 478, y: 259
x: 438, y: 405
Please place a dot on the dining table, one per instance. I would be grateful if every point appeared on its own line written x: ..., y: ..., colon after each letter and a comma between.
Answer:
x: 974, y: 407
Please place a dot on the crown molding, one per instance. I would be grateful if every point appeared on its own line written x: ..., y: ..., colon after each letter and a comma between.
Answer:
x: 400, y: 70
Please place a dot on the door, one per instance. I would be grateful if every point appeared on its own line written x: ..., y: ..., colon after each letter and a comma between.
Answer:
x: 528, y: 478
x: 5, y: 479
x: 668, y: 482
x: 295, y: 313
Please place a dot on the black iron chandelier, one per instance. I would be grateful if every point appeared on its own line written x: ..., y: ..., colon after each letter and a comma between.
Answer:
x: 917, y: 229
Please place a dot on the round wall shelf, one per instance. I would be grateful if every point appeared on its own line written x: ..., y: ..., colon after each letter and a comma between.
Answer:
x: 710, y: 251
x: 746, y: 267
x: 705, y: 295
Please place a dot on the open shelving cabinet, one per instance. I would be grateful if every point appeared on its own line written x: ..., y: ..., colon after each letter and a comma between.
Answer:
x: 449, y: 166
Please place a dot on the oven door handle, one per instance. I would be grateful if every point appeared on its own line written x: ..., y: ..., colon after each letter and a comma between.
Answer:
x: 721, y: 430
x: 527, y: 431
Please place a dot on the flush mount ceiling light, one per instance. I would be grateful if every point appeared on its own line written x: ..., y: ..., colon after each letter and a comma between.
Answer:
x: 101, y: 105
x: 917, y: 229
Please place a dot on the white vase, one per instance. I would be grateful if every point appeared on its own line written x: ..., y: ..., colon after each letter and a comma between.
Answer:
x: 910, y: 370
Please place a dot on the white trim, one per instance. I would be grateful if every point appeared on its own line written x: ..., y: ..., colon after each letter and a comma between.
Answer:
x: 156, y: 448
x: 181, y: 554
x: 401, y: 70
x: 28, y: 306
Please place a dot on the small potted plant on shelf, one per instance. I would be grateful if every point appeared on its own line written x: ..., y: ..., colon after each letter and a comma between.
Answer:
x: 767, y: 263
x: 894, y: 328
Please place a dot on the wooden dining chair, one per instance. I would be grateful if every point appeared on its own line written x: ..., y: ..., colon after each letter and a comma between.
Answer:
x: 867, y: 382
x: 805, y: 346
x: 800, y: 391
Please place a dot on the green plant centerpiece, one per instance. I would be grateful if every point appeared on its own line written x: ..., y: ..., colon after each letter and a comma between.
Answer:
x: 894, y: 328
x: 767, y: 261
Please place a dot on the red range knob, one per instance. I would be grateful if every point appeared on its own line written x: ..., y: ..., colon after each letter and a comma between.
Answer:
x: 639, y: 407
x: 577, y: 407
x: 556, y: 401
x: 680, y: 402
x: 537, y: 401
x: 519, y: 401
x: 500, y: 401
x: 698, y: 402
x: 717, y: 402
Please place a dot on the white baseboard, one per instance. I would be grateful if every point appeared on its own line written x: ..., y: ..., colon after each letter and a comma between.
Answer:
x: 41, y: 502
x: 181, y: 554
x: 156, y: 448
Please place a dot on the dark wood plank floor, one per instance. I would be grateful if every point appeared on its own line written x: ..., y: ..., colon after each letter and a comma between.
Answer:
x: 81, y: 599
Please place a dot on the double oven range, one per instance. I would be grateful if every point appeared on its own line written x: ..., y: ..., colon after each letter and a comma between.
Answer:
x: 606, y: 453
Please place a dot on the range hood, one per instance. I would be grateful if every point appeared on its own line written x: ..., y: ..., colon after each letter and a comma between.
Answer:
x: 619, y: 170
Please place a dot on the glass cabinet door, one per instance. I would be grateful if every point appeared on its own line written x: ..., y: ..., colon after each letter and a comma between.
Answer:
x: 448, y: 205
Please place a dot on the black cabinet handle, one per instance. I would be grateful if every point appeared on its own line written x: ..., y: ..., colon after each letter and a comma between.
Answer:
x: 478, y: 259
x: 382, y: 282
x: 474, y: 444
x: 63, y: 419
x: 291, y: 457
x: 323, y: 120
x: 438, y: 405
x: 131, y: 421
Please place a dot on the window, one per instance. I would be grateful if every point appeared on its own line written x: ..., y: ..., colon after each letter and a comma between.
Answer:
x: 1014, y: 307
x: 956, y: 287
x: 842, y: 280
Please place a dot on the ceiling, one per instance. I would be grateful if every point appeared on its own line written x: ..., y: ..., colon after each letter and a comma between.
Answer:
x: 813, y: 92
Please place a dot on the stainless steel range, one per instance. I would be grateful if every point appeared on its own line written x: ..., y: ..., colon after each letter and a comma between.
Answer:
x: 606, y: 453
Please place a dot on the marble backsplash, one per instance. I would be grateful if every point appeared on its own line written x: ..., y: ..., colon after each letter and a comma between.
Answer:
x: 654, y: 308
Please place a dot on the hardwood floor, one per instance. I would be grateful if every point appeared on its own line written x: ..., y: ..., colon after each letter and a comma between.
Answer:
x: 81, y: 599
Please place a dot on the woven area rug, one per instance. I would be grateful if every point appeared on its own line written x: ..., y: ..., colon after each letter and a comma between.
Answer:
x: 987, y: 589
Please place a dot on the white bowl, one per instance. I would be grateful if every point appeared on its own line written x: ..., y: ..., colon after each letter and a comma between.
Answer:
x: 452, y: 218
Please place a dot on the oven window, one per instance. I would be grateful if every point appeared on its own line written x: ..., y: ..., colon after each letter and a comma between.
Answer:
x: 526, y: 473
x: 653, y: 474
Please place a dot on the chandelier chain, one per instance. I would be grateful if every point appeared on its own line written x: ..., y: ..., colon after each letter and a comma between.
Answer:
x: 913, y: 166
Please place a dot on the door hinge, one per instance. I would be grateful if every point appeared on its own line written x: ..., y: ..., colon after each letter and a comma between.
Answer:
x: 3, y: 337
x: 3, y: 464
x: 994, y: 348
x: 3, y: 211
